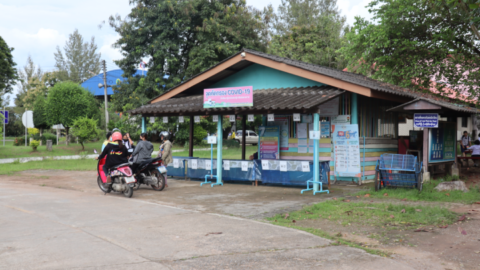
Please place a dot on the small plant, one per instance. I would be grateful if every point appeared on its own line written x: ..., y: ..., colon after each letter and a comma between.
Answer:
x: 16, y: 161
x: 19, y: 141
x: 83, y: 155
x: 33, y: 131
x: 34, y: 144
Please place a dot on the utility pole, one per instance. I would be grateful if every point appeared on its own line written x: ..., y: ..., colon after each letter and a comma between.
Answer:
x: 104, y: 63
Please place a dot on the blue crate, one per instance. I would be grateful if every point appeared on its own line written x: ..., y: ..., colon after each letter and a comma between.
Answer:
x: 398, y: 162
x: 398, y: 171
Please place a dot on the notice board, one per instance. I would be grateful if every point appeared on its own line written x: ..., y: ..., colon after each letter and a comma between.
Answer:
x: 269, y: 142
x: 346, y: 150
x: 442, y: 142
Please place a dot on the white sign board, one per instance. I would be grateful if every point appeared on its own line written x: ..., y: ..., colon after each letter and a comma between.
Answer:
x: 271, y: 117
x: 208, y: 164
x: 180, y: 119
x: 283, y: 166
x: 244, y: 166
x: 226, y: 165
x: 296, y: 117
x: 314, y: 135
x: 425, y: 120
x: 215, y: 118
x: 27, y: 119
x: 175, y: 163
x: 165, y: 119
x: 194, y: 164
x: 212, y: 139
x: 196, y: 118
x: 341, y: 119
x: 305, y: 166
x: 251, y: 118
x: 232, y: 118
x: 265, y: 165
x: 347, y: 150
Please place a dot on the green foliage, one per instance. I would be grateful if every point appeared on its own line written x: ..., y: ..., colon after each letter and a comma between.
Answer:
x: 129, y: 125
x: 85, y: 129
x: 40, y: 113
x: 187, y: 38
x: 8, y: 72
x: 34, y: 144
x: 47, y: 136
x: 231, y: 143
x: 79, y: 60
x: 33, y: 131
x: 19, y: 141
x: 413, y: 40
x: 67, y: 101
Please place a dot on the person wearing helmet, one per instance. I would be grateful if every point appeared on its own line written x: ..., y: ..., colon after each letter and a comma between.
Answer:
x: 116, y: 154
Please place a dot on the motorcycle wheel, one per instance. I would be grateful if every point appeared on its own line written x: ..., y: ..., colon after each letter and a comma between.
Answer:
x: 128, y: 192
x: 102, y: 187
x: 161, y: 181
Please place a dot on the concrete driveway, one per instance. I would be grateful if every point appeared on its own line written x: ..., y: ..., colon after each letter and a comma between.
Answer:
x: 54, y: 228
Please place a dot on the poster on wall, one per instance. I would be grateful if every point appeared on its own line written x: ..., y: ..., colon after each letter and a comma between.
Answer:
x: 442, y: 142
x: 341, y: 119
x: 241, y: 96
x: 325, y: 129
x: 329, y: 108
x: 269, y: 145
x: 284, y: 124
x: 347, y: 150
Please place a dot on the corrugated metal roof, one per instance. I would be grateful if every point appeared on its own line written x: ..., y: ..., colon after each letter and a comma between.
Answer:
x: 288, y: 99
x: 443, y: 103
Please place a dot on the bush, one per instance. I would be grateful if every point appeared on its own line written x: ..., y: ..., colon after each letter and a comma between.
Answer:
x: 33, y: 131
x: 48, y: 136
x: 34, y: 144
x: 19, y: 141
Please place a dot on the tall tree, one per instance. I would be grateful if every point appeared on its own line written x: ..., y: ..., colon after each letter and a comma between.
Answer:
x: 68, y: 101
x: 80, y: 58
x: 40, y: 114
x: 38, y: 87
x: 8, y: 72
x: 30, y: 73
x: 183, y: 38
x: 416, y: 43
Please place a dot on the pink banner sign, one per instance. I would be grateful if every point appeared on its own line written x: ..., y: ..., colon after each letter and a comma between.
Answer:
x: 241, y: 96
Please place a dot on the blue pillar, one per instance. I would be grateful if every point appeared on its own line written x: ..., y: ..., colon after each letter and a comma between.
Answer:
x: 219, y: 151
x: 316, y: 165
x: 144, y: 127
x: 354, y: 115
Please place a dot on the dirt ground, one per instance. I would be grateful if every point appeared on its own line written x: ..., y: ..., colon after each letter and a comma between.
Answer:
x: 433, y: 248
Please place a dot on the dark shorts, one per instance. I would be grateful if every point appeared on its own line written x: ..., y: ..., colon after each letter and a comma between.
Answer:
x: 105, y: 170
x: 463, y: 148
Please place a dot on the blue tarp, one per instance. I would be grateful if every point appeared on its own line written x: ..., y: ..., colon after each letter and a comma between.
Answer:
x: 293, y: 176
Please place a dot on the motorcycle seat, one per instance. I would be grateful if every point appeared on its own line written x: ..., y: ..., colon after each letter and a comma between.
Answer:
x: 120, y: 165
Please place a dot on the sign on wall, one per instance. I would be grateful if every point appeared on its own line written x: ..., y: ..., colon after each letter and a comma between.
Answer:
x: 442, y: 143
x: 228, y: 97
x: 425, y: 120
x: 269, y: 145
x: 347, y: 150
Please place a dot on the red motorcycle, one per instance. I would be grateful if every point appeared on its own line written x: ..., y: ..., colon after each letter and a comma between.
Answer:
x: 122, y: 179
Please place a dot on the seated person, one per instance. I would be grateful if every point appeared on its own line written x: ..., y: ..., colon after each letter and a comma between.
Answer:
x: 476, y: 151
x: 116, y: 154
x: 254, y: 156
x: 143, y: 151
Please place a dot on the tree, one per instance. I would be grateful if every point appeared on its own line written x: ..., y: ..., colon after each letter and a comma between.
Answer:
x: 68, y: 101
x: 40, y: 114
x: 418, y: 44
x: 131, y: 94
x: 29, y: 74
x: 8, y: 72
x: 85, y: 129
x: 317, y: 44
x: 187, y: 38
x: 80, y: 59
x: 37, y: 87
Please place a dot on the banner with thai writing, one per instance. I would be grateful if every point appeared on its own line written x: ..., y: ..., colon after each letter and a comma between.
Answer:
x: 347, y: 150
x: 241, y: 96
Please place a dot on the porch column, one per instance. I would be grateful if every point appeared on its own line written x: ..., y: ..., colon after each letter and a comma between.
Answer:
x: 426, y: 174
x: 219, y: 150
x: 244, y: 135
x: 144, y: 127
x: 474, y: 127
x: 190, y: 139
x: 316, y: 166
x: 354, y: 115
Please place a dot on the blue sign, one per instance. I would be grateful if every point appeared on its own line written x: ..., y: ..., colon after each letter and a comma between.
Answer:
x: 5, y: 113
x: 425, y: 120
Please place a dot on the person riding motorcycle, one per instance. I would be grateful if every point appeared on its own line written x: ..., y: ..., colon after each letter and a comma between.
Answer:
x: 116, y: 154
x: 143, y: 151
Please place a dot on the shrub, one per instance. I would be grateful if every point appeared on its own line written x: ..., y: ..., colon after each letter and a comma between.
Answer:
x: 48, y: 136
x: 33, y: 131
x: 34, y: 144
x: 19, y: 141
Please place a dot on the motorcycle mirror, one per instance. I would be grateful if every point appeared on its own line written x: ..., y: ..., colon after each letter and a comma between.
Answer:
x: 95, y: 151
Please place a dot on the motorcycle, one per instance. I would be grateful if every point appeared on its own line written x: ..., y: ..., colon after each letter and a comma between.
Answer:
x: 122, y: 179
x: 150, y: 172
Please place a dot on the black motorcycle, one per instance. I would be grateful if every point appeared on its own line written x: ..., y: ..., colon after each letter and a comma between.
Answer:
x: 148, y: 173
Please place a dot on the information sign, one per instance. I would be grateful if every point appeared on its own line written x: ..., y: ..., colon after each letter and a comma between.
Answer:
x: 347, y: 150
x: 271, y: 117
x: 228, y: 97
x: 5, y: 114
x: 305, y: 166
x: 212, y: 139
x: 208, y: 164
x: 194, y: 164
x: 244, y: 166
x: 251, y: 118
x: 196, y: 119
x: 152, y: 120
x: 425, y: 120
x: 165, y: 119
x: 283, y: 166
x: 232, y: 118
x: 180, y: 119
x: 175, y: 163
x: 325, y: 129
x: 283, y: 123
x: 442, y: 142
x: 314, y: 135
x: 296, y: 117
x: 215, y: 118
x: 226, y: 165
x: 265, y: 165
x: 269, y: 146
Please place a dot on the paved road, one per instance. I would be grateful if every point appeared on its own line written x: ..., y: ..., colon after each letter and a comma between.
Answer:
x: 52, y: 228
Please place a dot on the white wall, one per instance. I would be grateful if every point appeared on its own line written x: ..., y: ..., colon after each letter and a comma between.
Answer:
x: 461, y: 129
x: 403, y: 129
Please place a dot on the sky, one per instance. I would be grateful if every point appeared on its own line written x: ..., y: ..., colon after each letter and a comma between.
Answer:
x: 36, y: 28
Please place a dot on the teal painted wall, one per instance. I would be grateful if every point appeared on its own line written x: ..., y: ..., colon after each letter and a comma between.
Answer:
x: 261, y: 77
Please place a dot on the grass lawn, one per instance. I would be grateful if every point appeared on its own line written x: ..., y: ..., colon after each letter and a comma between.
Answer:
x: 70, y: 165
x: 428, y: 194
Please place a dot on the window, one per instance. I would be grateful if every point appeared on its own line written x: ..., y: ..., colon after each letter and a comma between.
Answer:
x: 239, y: 133
x: 253, y: 133
x: 464, y: 122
